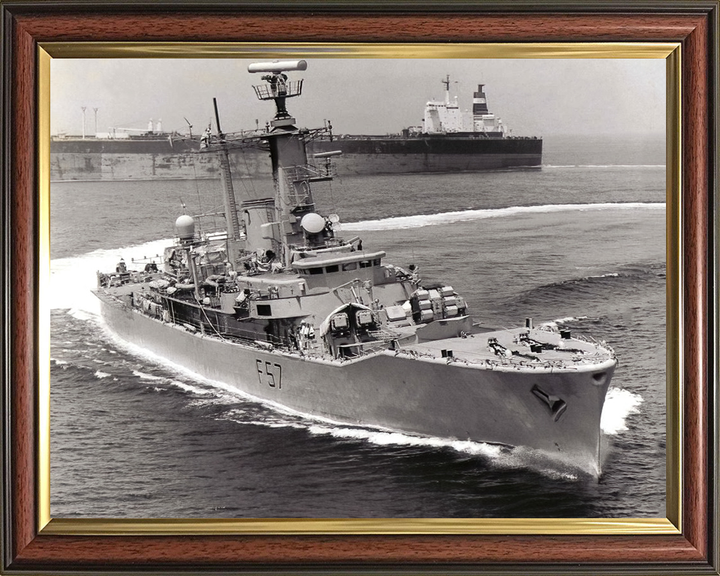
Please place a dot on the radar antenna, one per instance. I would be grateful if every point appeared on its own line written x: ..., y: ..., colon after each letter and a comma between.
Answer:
x: 278, y: 87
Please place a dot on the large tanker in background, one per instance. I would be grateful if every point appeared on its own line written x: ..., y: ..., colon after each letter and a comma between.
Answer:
x: 447, y: 141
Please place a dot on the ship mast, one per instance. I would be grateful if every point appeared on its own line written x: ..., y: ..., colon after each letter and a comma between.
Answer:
x: 231, y: 212
x: 275, y: 227
x: 447, y: 89
x: 296, y: 224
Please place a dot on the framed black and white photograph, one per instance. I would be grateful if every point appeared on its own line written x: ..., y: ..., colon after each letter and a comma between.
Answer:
x: 389, y: 329
x: 340, y: 296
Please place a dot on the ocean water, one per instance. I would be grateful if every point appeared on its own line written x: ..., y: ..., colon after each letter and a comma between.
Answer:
x: 580, y: 242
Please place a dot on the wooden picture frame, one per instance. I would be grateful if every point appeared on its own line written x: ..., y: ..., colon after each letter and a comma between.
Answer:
x: 31, y: 545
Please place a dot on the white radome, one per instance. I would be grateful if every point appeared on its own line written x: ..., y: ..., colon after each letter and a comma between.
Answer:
x: 313, y: 223
x: 185, y: 227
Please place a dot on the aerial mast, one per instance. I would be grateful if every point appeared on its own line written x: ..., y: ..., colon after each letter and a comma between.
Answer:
x: 447, y: 89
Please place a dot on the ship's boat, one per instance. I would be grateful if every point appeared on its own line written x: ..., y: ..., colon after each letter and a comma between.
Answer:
x: 285, y: 310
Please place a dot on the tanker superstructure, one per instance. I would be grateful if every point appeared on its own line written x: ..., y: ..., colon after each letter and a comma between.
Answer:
x: 282, y: 308
x: 448, y: 141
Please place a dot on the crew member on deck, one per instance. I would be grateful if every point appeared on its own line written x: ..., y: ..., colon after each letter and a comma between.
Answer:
x: 205, y: 138
x: 414, y: 275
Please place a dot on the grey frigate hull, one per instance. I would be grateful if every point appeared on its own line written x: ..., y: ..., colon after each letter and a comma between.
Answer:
x: 398, y: 391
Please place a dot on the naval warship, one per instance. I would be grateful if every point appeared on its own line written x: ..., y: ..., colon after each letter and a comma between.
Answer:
x: 281, y: 307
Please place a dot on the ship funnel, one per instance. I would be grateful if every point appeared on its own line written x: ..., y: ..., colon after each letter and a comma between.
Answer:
x: 279, y: 66
x: 480, y: 106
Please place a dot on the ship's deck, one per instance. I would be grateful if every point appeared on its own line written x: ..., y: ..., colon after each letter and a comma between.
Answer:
x: 505, y: 347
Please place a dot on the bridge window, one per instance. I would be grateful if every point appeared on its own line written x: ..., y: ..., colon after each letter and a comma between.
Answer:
x: 315, y: 270
x: 264, y: 310
x: 349, y: 266
x: 365, y: 263
x: 333, y: 268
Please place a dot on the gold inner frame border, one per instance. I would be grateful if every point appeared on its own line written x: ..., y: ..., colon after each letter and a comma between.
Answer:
x: 670, y: 51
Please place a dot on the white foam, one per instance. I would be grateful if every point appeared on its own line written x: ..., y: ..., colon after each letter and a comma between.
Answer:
x: 564, y: 320
x: 499, y: 456
x: 176, y: 383
x: 419, y: 221
x: 231, y: 393
x: 72, y: 278
x: 270, y: 420
x: 189, y: 388
x: 101, y: 375
x: 144, y: 376
x: 619, y: 404
x: 382, y: 438
x: 82, y: 314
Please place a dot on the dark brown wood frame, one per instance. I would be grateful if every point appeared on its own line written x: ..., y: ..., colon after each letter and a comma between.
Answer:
x: 693, y: 23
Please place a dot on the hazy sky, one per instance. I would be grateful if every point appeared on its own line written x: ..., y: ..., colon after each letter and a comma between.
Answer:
x: 533, y: 97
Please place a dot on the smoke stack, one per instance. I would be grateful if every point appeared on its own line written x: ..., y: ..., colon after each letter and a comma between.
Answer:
x: 480, y: 101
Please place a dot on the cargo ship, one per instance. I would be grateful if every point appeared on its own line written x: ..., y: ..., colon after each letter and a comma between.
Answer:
x: 282, y: 307
x: 447, y: 141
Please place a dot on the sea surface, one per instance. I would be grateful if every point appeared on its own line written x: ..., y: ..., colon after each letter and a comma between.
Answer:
x: 579, y: 242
